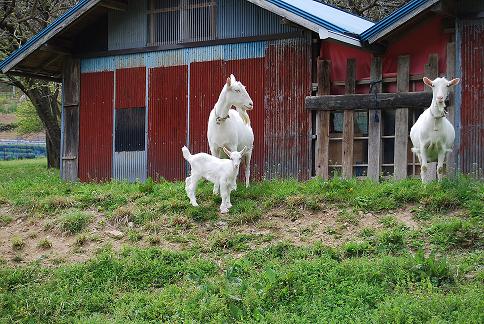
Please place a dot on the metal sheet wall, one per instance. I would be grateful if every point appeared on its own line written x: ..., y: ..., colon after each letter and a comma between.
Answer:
x: 287, y: 123
x: 236, y: 18
x: 471, y: 36
x: 130, y: 87
x: 167, y: 121
x: 127, y: 29
x: 95, y: 126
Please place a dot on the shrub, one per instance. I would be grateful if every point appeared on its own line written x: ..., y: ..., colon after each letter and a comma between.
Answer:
x: 74, y: 221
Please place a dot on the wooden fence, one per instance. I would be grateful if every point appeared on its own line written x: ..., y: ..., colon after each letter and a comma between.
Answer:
x: 385, y: 118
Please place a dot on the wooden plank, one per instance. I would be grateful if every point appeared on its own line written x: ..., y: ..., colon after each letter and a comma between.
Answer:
x: 70, y: 131
x: 401, y: 121
x: 431, y: 71
x: 375, y: 126
x: 348, y: 127
x: 411, y: 100
x: 322, y: 121
x: 452, y: 156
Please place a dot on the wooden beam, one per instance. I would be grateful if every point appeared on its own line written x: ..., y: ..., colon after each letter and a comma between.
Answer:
x: 55, y: 49
x: 35, y: 75
x: 400, y: 159
x: 114, y: 5
x: 70, y: 131
x: 431, y: 70
x: 452, y: 156
x: 348, y: 124
x: 321, y: 157
x: 375, y: 125
x: 411, y: 100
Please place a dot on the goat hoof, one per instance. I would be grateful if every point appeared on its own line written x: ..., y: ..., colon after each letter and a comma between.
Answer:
x: 194, y: 204
x: 229, y: 206
x: 224, y: 211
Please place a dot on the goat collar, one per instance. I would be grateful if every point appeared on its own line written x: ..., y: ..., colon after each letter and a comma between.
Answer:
x: 219, y: 119
x: 444, y: 113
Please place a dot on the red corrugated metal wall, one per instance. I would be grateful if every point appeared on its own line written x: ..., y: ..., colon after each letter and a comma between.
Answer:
x: 472, y: 107
x: 287, y: 123
x: 96, y: 126
x: 251, y: 73
x: 167, y: 122
x: 206, y: 82
x: 130, y: 87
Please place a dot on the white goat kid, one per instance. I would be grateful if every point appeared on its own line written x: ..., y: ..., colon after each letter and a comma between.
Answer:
x: 221, y: 172
x: 433, y: 135
x: 229, y: 128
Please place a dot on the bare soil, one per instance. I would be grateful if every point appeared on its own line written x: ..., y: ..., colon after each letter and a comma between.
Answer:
x: 299, y: 227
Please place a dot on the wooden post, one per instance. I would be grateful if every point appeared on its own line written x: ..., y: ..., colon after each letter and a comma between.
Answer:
x: 70, y: 130
x: 452, y: 156
x: 401, y: 121
x: 348, y: 126
x: 431, y: 71
x: 322, y: 122
x: 375, y: 126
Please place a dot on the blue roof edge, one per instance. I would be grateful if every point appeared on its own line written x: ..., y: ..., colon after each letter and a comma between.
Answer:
x: 308, y: 16
x: 43, y: 32
x: 390, y: 19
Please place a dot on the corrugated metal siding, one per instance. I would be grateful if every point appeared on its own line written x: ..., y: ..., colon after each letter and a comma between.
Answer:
x: 129, y: 166
x: 251, y: 73
x: 237, y: 18
x: 206, y: 82
x: 167, y: 122
x: 130, y: 87
x: 95, y: 126
x: 127, y: 29
x: 287, y: 123
x: 472, y: 95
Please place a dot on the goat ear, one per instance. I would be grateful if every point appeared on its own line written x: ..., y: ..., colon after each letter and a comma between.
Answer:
x: 226, y: 151
x: 229, y: 81
x: 232, y: 79
x: 454, y: 82
x: 427, y: 81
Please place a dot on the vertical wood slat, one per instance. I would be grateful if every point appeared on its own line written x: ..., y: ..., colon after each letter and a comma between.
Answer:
x: 348, y: 126
x: 375, y: 125
x: 431, y: 71
x: 450, y: 72
x: 401, y: 121
x: 70, y: 130
x: 322, y: 122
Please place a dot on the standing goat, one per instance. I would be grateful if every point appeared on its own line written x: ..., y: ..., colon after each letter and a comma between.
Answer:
x: 433, y: 135
x: 229, y: 128
x: 221, y: 172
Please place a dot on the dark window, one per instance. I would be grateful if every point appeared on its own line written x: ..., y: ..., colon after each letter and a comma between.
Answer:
x: 179, y: 21
x: 130, y: 129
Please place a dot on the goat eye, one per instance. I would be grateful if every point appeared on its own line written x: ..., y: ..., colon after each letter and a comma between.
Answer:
x: 237, y: 90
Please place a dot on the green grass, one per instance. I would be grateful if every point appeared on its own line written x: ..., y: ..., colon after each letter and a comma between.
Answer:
x: 8, y: 104
x: 387, y: 274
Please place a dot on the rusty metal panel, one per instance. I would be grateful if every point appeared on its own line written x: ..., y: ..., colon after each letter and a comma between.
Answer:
x: 95, y: 126
x: 131, y: 87
x: 167, y: 121
x: 471, y: 97
x: 127, y: 29
x: 287, y: 123
x: 206, y: 82
x: 251, y: 73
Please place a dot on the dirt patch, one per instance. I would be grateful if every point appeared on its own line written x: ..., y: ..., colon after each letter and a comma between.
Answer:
x: 331, y: 226
x: 7, y: 118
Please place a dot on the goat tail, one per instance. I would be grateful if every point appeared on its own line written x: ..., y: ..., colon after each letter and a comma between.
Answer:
x: 186, y: 153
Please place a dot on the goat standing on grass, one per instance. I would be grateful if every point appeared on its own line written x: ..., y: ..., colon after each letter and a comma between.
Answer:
x: 433, y: 135
x: 229, y: 128
x: 221, y: 172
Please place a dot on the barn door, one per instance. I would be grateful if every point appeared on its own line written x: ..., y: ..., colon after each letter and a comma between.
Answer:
x: 129, y: 156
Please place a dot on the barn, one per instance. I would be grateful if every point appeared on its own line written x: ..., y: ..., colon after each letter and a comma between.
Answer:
x: 140, y: 78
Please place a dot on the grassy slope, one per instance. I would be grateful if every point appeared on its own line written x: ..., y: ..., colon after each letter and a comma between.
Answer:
x: 378, y: 278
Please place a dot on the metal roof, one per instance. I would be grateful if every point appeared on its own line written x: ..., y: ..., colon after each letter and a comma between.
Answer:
x: 395, y: 19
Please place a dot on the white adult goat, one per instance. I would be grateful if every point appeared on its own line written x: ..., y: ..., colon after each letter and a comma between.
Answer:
x: 229, y: 128
x: 433, y: 135
x: 221, y: 172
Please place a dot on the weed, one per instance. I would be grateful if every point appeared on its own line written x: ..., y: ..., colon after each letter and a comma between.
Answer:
x: 5, y: 220
x: 389, y: 221
x: 154, y: 240
x: 134, y: 236
x: 456, y: 233
x: 44, y: 244
x: 81, y: 240
x: 17, y: 243
x: 346, y: 216
x: 74, y: 221
x: 392, y: 240
x: 148, y: 186
x: 357, y: 249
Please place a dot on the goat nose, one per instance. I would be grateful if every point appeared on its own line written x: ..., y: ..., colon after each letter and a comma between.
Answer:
x: 440, y: 97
